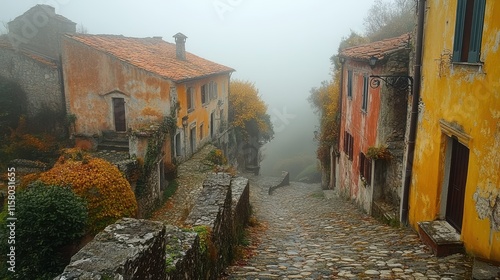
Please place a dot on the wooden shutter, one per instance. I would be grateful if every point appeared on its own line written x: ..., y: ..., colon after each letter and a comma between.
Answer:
x: 459, y: 30
x: 349, y: 83
x: 477, y: 31
x: 364, y: 105
x: 362, y: 164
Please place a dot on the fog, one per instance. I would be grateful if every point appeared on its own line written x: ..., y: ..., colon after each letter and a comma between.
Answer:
x: 282, y: 46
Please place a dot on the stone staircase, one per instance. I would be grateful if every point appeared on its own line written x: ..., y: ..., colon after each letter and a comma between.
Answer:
x: 441, y: 237
x: 113, y: 141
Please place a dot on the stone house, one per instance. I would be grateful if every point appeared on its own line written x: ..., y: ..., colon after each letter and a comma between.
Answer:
x: 129, y: 85
x: 374, y: 89
x: 30, y: 57
x: 145, y: 96
x: 455, y: 179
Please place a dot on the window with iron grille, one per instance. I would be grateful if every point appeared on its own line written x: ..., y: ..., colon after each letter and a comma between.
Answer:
x: 468, y: 30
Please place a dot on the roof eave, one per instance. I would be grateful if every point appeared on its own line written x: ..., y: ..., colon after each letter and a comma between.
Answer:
x: 185, y: 80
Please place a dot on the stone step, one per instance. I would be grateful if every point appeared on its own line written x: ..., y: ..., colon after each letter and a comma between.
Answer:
x: 113, y: 146
x: 441, y: 237
x: 115, y: 136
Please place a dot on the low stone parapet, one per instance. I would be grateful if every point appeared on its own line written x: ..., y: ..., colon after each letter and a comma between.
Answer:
x: 212, y: 210
x: 284, y: 181
x: 128, y: 249
x: 142, y: 249
x: 240, y: 207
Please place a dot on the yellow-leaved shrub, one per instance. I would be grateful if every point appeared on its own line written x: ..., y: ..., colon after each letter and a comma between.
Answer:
x: 108, y: 194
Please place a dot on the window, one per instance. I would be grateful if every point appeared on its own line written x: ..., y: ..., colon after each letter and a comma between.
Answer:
x: 213, y: 91
x: 468, y: 30
x: 201, y: 131
x: 364, y: 105
x: 178, y: 147
x: 349, y: 83
x: 190, y: 98
x: 209, y: 92
x: 204, y: 94
x: 365, y: 168
x: 348, y: 144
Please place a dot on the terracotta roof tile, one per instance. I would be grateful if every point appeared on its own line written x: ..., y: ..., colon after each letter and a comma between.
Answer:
x: 378, y: 49
x: 152, y: 54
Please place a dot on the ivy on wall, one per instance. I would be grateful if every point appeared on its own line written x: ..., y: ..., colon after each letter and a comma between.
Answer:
x: 157, y: 138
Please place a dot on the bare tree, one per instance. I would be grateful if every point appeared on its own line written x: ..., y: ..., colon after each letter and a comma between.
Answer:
x: 80, y: 28
x: 390, y: 18
x: 4, y: 29
x: 352, y: 40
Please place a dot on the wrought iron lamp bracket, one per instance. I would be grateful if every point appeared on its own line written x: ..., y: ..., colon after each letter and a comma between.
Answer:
x: 397, y: 82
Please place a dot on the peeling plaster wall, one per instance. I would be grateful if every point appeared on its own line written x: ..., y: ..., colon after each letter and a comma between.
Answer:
x: 362, y: 126
x: 200, y: 115
x: 93, y: 78
x: 382, y: 124
x: 468, y: 97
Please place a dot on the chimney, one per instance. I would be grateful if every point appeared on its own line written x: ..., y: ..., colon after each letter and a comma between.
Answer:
x: 180, y: 46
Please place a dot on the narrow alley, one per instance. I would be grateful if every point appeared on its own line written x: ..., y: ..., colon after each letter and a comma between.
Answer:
x: 310, y: 236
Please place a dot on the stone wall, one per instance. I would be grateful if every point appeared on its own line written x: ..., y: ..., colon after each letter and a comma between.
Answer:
x: 391, y: 132
x: 284, y: 181
x: 240, y: 207
x: 142, y: 249
x: 38, y: 78
x: 127, y: 249
x: 212, y: 209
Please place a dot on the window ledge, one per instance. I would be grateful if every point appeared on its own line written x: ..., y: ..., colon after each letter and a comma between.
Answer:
x: 478, y: 64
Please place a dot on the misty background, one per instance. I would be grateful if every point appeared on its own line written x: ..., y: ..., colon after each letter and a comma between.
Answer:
x: 284, y: 47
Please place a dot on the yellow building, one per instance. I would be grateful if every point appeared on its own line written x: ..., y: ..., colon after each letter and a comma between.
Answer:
x: 456, y: 160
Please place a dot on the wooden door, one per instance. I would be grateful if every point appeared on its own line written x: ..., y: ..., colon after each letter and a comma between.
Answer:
x: 119, y: 114
x: 456, y: 185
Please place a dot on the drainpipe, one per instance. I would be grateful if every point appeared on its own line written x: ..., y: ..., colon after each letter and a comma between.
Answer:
x: 414, y: 111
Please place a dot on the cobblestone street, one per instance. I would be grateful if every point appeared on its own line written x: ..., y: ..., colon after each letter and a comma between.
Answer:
x: 310, y: 236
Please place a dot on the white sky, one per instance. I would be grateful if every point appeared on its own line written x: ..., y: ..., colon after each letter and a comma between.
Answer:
x: 284, y: 46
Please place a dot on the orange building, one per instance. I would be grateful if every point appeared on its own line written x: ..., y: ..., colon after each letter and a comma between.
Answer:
x: 372, y: 123
x: 454, y: 186
x: 121, y: 86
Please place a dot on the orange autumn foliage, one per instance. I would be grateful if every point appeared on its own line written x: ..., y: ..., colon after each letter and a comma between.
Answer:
x: 248, y: 111
x: 326, y: 101
x: 107, y: 192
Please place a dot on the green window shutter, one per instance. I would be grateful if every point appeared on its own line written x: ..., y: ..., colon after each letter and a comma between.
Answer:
x: 476, y: 31
x: 459, y: 30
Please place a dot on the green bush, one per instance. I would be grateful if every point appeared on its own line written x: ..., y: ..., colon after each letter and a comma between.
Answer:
x: 48, y: 218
